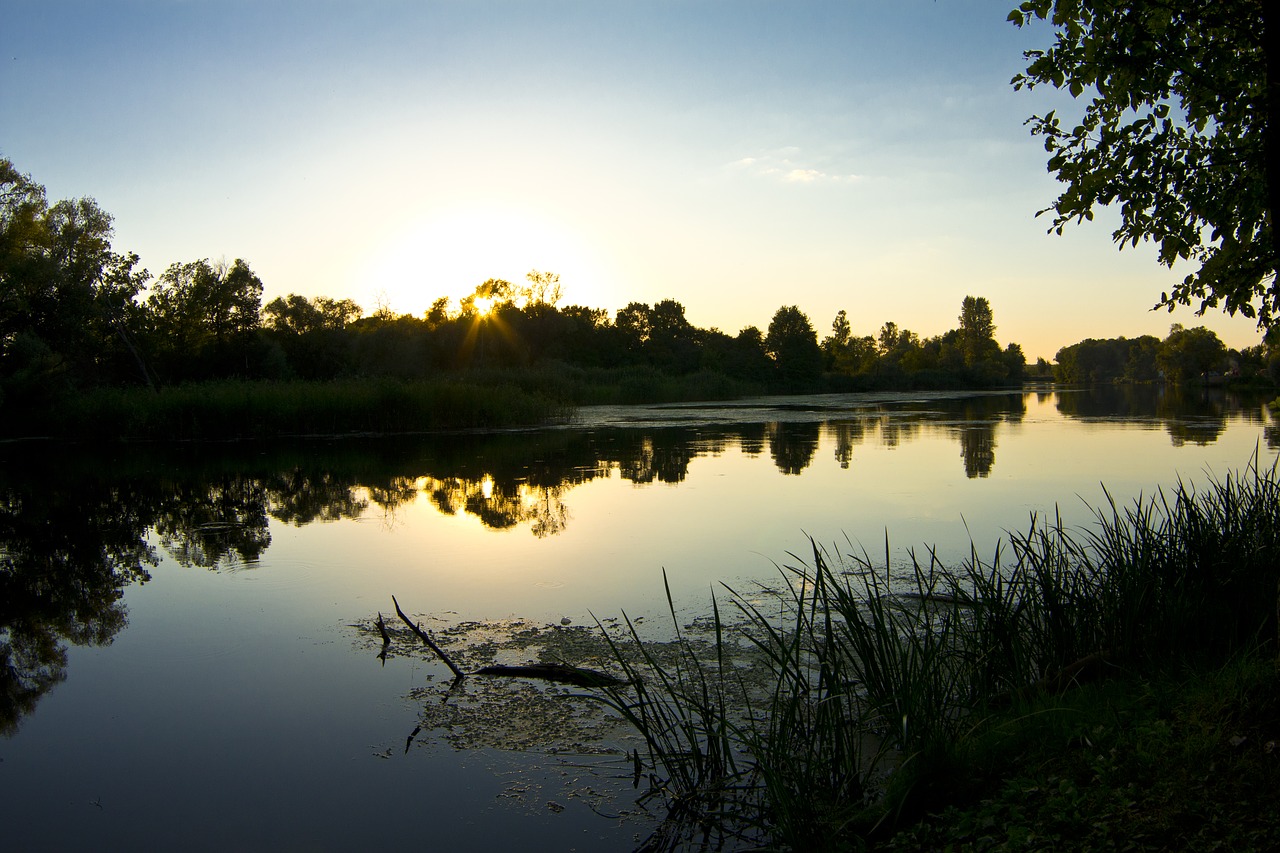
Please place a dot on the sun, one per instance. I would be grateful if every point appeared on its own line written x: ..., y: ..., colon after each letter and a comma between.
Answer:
x: 449, y: 252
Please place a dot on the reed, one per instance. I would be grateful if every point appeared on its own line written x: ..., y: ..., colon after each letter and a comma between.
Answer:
x: 239, y: 410
x: 635, y: 384
x: 882, y: 688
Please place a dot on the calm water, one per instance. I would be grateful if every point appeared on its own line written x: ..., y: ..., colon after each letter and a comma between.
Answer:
x: 183, y: 666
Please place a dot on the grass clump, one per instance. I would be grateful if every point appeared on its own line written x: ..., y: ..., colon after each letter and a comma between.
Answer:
x: 1075, y: 678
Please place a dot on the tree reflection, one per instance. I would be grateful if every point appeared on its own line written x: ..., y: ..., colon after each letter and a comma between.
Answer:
x: 978, y: 418
x: 793, y: 445
x: 1190, y: 414
x: 895, y: 428
x: 501, y: 506
x: 751, y: 438
x: 299, y: 497
x: 214, y: 524
x: 66, y: 555
x: 75, y: 526
x: 978, y: 447
x: 1131, y: 402
x: 390, y: 494
x: 1195, y: 415
x: 847, y: 435
x: 662, y: 455
x: 548, y: 511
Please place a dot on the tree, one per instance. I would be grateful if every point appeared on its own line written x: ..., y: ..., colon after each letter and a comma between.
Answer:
x: 489, y: 295
x: 65, y: 296
x: 438, y: 314
x: 748, y: 359
x: 977, y: 331
x: 292, y: 314
x: 888, y: 337
x: 199, y: 300
x: 202, y: 316
x: 1181, y: 130
x: 337, y: 313
x: 632, y: 324
x: 836, y: 345
x: 793, y: 345
x: 1014, y: 362
x: 543, y: 288
x: 840, y: 330
x: 1190, y: 353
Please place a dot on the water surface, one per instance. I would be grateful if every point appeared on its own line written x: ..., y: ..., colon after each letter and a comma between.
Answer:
x: 183, y: 666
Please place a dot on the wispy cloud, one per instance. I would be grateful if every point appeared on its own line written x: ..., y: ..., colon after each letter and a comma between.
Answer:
x: 787, y: 165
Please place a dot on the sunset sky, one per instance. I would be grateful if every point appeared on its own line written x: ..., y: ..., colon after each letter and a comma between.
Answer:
x: 735, y: 156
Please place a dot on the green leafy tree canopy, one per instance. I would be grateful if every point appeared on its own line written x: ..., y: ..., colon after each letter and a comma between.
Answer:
x: 1177, y: 131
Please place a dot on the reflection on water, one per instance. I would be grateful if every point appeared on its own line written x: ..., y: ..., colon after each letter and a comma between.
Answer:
x: 573, y: 517
x: 1191, y: 415
x: 73, y: 538
x: 67, y: 551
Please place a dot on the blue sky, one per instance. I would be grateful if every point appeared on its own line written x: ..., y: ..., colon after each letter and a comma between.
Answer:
x: 735, y: 156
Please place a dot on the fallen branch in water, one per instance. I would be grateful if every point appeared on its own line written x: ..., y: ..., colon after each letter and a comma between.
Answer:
x: 558, y: 672
x: 386, y: 639
x: 457, y: 673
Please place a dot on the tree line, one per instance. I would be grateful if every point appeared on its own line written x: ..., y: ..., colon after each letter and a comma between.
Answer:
x: 1185, y: 355
x: 77, y: 314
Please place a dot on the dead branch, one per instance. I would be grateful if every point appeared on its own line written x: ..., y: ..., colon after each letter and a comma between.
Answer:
x: 458, y: 674
x: 557, y: 672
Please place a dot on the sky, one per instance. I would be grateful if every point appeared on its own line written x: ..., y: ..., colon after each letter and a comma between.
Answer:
x: 733, y: 155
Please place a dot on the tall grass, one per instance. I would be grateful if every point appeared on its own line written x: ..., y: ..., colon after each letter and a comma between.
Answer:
x: 878, y: 690
x: 236, y: 410
x: 635, y: 384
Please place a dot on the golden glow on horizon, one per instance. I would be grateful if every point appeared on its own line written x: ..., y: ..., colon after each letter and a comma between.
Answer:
x: 449, y: 254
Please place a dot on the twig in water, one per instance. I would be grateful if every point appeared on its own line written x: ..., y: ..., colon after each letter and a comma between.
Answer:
x: 575, y: 675
x: 386, y: 639
x: 458, y: 674
x: 558, y: 672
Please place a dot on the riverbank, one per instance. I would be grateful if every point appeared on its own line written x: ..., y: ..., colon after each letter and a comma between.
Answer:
x: 487, y: 398
x: 1186, y: 760
x: 229, y: 410
x: 1077, y: 689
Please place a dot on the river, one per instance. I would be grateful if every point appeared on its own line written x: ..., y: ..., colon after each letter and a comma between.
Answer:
x: 189, y: 651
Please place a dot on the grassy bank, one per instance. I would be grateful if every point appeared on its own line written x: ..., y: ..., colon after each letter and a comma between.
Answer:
x: 242, y: 410
x: 598, y: 386
x: 228, y: 410
x: 1077, y: 688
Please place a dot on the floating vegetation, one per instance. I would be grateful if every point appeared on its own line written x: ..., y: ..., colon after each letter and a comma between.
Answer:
x: 513, y: 696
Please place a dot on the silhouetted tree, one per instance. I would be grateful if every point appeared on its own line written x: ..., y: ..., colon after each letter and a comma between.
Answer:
x: 793, y: 345
x: 67, y: 309
x: 202, y: 316
x: 1180, y: 132
x: 977, y: 331
x: 1190, y: 353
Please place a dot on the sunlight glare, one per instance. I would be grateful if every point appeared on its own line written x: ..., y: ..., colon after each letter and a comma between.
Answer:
x: 448, y: 254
